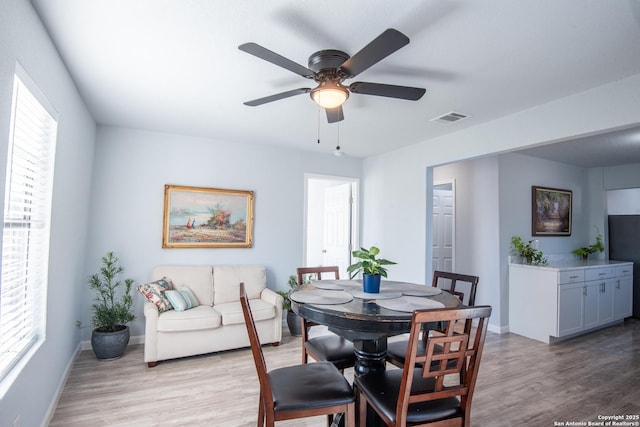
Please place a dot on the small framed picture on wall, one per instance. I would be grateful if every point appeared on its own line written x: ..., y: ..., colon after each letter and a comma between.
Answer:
x: 550, y: 211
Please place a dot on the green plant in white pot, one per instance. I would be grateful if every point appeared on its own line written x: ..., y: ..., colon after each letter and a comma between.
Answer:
x: 527, y: 250
x: 112, y: 309
x: 371, y: 267
x: 585, y: 251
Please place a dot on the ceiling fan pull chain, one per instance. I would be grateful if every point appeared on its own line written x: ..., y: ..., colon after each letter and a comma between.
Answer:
x: 318, y: 125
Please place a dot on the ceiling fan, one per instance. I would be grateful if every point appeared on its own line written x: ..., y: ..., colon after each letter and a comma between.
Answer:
x: 330, y: 68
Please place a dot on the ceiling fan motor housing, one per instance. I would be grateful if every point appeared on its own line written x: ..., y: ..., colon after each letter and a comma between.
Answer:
x: 327, y: 60
x: 330, y: 93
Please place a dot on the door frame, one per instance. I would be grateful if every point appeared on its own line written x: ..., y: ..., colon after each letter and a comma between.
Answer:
x: 355, y: 209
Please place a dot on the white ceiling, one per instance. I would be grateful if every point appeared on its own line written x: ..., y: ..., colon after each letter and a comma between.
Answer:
x: 174, y: 65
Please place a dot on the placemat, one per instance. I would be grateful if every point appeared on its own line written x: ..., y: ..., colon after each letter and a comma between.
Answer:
x: 409, y: 303
x: 320, y: 296
x: 349, y: 283
x: 428, y: 291
x: 330, y: 285
x: 381, y: 295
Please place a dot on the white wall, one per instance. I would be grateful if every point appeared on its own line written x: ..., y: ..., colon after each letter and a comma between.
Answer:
x: 132, y: 168
x: 623, y: 202
x: 477, y: 223
x: 394, y: 184
x: 23, y: 38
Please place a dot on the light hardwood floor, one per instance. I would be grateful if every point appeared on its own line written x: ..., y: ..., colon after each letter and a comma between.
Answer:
x: 521, y: 382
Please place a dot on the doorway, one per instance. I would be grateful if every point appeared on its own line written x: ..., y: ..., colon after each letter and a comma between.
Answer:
x: 443, y: 232
x: 331, y: 221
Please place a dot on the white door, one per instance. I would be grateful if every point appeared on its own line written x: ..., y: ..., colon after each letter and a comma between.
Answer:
x: 337, y: 227
x: 443, y: 227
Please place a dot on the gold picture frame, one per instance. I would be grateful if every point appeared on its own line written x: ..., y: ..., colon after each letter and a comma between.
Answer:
x: 198, y: 217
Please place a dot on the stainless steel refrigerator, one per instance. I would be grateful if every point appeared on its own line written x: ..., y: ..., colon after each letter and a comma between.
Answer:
x: 624, y: 245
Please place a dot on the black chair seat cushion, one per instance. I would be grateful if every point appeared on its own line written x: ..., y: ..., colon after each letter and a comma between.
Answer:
x: 382, y: 389
x: 332, y: 348
x: 397, y: 350
x: 307, y: 386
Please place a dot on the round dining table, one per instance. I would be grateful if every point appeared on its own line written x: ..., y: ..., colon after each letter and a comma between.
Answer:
x: 367, y: 320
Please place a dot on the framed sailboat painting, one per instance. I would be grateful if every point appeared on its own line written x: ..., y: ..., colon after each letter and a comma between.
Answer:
x: 198, y: 217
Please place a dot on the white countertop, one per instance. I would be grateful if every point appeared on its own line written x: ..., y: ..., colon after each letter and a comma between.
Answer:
x: 572, y: 264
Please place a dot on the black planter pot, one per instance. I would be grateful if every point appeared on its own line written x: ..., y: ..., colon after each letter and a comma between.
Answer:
x: 110, y: 345
x: 294, y: 323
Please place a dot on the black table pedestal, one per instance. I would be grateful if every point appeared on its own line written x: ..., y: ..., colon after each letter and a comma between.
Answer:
x: 371, y: 356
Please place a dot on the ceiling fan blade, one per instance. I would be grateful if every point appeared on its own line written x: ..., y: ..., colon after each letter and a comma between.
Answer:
x: 277, y: 96
x: 379, y: 48
x: 269, y: 56
x: 334, y: 114
x: 390, y: 91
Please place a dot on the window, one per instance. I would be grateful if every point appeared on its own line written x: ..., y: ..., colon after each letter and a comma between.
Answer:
x: 25, y: 233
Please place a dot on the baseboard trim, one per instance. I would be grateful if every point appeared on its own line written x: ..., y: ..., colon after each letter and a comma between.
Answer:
x: 498, y: 329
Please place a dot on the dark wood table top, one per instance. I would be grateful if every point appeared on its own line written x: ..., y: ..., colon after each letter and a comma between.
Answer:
x: 364, y: 319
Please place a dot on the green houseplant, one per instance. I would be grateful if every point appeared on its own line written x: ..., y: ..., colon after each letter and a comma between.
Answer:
x: 585, y: 251
x: 527, y: 250
x: 371, y: 267
x: 112, y: 309
x: 293, y: 320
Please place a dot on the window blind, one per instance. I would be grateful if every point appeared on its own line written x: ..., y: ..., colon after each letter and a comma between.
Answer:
x: 25, y: 234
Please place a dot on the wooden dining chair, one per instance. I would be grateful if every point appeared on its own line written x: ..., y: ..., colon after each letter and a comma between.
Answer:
x: 297, y: 391
x: 463, y: 286
x: 417, y: 394
x: 327, y: 347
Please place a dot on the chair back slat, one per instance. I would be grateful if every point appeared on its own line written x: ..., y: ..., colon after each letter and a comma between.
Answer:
x: 444, y: 355
x: 452, y: 282
x: 301, y: 271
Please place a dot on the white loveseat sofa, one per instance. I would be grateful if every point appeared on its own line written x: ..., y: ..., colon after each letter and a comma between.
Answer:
x: 217, y: 323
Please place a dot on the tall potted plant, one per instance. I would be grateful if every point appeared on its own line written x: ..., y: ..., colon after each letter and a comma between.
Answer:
x: 371, y: 267
x: 112, y: 310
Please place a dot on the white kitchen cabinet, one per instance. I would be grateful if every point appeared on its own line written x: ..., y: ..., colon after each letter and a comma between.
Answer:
x: 598, y: 305
x: 570, y: 309
x: 623, y: 292
x: 547, y: 303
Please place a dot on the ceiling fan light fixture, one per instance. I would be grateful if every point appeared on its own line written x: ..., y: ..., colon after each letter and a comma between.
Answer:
x: 330, y: 94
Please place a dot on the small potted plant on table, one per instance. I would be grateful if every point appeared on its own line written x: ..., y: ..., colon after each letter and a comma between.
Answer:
x: 112, y: 310
x: 371, y: 267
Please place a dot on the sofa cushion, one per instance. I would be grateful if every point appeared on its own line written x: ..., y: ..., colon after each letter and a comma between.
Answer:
x: 198, y: 278
x: 181, y: 299
x: 227, y: 278
x: 198, y: 318
x: 232, y: 311
x: 154, y: 292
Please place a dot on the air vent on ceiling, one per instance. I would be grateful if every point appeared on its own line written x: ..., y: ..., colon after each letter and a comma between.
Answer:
x: 450, y: 117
